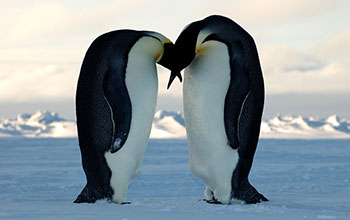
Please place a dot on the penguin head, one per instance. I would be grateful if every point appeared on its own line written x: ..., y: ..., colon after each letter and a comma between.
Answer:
x: 166, y: 56
x: 184, y: 50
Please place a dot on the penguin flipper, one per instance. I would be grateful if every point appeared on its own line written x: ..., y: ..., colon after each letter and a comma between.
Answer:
x: 236, y: 95
x: 119, y: 101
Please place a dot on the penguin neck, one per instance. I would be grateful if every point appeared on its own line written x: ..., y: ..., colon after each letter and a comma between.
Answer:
x: 150, y: 47
x: 164, y: 40
x: 204, y: 33
x: 158, y: 36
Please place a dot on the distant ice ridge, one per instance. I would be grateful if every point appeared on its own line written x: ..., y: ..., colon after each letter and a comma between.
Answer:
x: 39, y: 124
x: 168, y: 125
x: 172, y: 125
x: 307, y: 128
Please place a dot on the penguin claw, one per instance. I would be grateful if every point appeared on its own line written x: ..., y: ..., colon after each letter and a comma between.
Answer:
x: 91, y: 195
x: 256, y: 199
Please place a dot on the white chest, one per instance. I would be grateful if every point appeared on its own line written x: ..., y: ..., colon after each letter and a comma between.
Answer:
x: 206, y: 82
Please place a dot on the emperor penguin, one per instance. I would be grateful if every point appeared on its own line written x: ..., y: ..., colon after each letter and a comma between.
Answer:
x: 115, y: 103
x: 223, y: 99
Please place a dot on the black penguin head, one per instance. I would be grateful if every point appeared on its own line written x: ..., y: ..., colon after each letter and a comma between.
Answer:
x: 184, y: 50
x: 168, y: 60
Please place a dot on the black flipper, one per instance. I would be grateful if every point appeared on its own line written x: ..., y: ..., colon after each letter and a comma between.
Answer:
x: 118, y: 99
x: 236, y: 94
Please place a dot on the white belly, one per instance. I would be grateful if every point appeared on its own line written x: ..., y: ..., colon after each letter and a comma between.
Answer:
x: 206, y: 82
x: 142, y: 84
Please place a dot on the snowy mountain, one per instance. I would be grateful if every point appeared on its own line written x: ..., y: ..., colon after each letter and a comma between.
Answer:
x: 39, y: 124
x: 168, y: 125
x: 172, y: 125
x: 298, y: 127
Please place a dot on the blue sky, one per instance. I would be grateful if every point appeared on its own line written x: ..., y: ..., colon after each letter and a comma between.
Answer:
x: 303, y: 46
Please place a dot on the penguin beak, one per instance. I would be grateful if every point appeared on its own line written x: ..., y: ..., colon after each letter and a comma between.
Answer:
x: 173, y: 75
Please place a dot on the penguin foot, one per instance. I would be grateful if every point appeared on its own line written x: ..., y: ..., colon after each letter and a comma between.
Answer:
x: 89, y: 196
x: 213, y: 201
x: 249, y: 194
x: 84, y: 198
x: 252, y: 197
x: 123, y: 203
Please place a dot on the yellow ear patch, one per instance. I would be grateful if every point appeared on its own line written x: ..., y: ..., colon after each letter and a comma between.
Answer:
x: 201, y: 49
x: 196, y: 49
x: 159, y: 55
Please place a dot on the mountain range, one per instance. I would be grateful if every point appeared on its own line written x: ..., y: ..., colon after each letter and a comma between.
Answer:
x: 172, y: 125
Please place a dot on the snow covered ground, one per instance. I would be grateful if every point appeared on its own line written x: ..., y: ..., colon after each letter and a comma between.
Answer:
x: 303, y: 179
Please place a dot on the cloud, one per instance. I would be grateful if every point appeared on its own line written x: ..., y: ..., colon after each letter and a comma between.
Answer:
x: 337, y: 47
x: 42, y: 19
x: 42, y: 83
x: 257, y: 11
x: 35, y: 20
x: 331, y: 78
x: 325, y: 69
x: 280, y: 58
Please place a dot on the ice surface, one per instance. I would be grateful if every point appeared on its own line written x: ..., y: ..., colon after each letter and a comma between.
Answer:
x: 303, y: 179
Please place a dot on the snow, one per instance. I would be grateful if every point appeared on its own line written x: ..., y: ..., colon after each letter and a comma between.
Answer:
x: 172, y: 125
x: 333, y: 120
x: 303, y: 179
